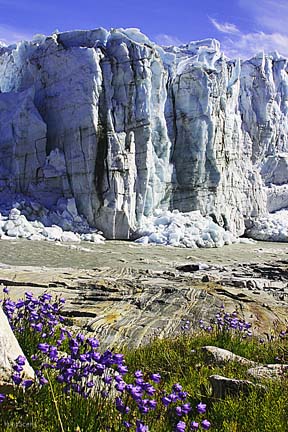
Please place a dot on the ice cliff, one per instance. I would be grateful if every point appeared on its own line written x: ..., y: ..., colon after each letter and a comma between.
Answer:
x: 126, y: 127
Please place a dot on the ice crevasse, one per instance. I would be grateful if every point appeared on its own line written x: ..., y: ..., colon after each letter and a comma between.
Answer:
x: 134, y: 132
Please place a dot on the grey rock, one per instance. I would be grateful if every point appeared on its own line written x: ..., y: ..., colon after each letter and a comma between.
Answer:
x: 222, y: 387
x: 9, y: 351
x: 269, y: 371
x: 220, y: 356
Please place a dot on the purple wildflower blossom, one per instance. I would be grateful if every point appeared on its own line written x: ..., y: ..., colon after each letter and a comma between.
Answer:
x: 201, y: 408
x: 205, y: 424
x: 181, y: 426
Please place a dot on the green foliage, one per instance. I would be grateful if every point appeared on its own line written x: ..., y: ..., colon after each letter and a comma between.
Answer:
x: 182, y: 360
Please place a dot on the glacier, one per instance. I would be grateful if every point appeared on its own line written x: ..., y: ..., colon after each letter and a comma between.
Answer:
x: 130, y: 131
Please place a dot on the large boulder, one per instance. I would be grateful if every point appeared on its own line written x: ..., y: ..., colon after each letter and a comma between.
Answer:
x: 9, y: 352
x: 222, y: 387
x: 220, y: 356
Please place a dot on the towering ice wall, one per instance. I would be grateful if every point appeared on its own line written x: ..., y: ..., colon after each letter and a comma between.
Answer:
x: 125, y: 127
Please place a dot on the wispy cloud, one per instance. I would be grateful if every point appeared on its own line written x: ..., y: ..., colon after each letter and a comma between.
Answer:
x: 10, y: 35
x: 269, y: 15
x: 167, y: 40
x: 225, y: 27
x: 268, y: 21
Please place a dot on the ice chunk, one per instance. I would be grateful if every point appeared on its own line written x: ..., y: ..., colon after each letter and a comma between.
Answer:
x: 183, y: 230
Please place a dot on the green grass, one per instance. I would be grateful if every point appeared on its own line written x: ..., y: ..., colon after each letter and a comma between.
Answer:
x: 177, y: 360
x: 182, y: 360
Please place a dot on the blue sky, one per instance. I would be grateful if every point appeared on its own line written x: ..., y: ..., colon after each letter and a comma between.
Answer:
x: 243, y: 27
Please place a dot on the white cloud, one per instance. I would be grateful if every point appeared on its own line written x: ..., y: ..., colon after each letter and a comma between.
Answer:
x: 249, y: 44
x: 271, y: 15
x: 244, y: 45
x: 167, y: 40
x: 10, y: 35
x: 225, y: 27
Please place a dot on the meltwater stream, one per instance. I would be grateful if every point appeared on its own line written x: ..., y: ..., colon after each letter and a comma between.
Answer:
x: 117, y: 254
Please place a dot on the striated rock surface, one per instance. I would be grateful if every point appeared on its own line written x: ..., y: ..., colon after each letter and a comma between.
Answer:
x: 127, y: 294
x: 125, y: 127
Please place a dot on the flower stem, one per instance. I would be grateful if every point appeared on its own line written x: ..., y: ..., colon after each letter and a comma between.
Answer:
x: 55, y: 403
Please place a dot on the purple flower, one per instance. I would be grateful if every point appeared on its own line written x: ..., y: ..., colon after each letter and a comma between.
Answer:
x: 20, y: 304
x: 16, y: 379
x: 201, y: 408
x: 156, y: 377
x: 194, y: 425
x: 177, y: 388
x: 143, y: 409
x: 21, y: 360
x: 96, y: 356
x: 43, y: 380
x: 178, y: 410
x: 18, y: 368
x: 94, y: 343
x: 126, y: 424
x: 53, y: 353
x: 43, y: 347
x: 38, y: 327
x: 149, y: 389
x: 173, y: 397
x: 121, y: 407
x: 180, y: 427
x: 152, y: 403
x: 80, y: 337
x: 27, y: 383
x: 140, y: 427
x: 5, y: 290
x: 135, y: 391
x: 120, y: 386
x: 107, y: 379
x: 118, y: 358
x: 205, y: 424
x: 186, y: 408
x: 45, y: 297
x: 183, y: 395
x: 138, y: 374
x: 2, y: 397
x: 122, y: 369
x: 166, y: 401
x: 118, y: 378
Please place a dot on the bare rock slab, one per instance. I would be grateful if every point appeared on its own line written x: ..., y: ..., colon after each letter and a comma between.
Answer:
x: 222, y: 386
x: 220, y: 356
x: 9, y: 351
x: 269, y: 371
